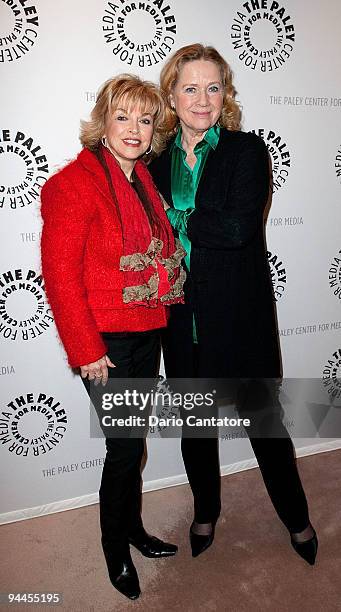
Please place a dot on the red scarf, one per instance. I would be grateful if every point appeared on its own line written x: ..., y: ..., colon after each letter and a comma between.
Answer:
x: 150, y: 264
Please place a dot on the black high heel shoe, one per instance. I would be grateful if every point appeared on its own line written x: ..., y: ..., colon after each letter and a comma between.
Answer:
x: 123, y: 575
x: 200, y: 543
x: 306, y: 549
x: 151, y: 546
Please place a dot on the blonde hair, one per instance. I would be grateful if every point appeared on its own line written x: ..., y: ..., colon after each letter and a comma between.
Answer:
x: 124, y: 90
x: 230, y: 116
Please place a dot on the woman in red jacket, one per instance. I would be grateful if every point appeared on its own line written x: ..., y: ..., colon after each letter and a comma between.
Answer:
x: 111, y: 267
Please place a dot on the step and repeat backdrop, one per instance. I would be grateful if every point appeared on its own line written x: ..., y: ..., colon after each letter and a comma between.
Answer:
x: 286, y: 58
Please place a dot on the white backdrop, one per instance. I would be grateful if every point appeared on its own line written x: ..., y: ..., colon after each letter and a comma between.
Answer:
x: 54, y: 56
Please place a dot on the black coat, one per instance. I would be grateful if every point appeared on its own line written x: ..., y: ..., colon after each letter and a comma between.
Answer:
x: 229, y: 287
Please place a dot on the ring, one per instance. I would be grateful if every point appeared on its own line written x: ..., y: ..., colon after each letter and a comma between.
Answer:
x: 98, y: 375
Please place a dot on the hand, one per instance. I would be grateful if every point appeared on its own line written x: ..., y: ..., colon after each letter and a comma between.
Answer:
x: 97, y: 370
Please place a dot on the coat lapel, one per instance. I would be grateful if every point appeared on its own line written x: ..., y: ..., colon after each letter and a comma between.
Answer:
x: 211, y: 190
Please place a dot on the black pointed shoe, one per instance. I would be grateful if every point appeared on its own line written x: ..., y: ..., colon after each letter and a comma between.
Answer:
x: 200, y: 543
x: 151, y: 546
x: 308, y: 549
x: 123, y: 575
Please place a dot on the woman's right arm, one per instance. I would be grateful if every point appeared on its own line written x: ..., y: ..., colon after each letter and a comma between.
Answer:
x: 67, y: 218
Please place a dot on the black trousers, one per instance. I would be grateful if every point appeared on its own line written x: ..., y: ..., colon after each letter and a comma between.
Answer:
x: 136, y: 355
x: 275, y: 455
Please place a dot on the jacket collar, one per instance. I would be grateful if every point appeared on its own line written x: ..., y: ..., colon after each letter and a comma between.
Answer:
x: 91, y: 164
x: 88, y: 160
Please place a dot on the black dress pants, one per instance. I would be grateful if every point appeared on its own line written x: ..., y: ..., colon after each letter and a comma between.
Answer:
x: 200, y: 455
x: 275, y: 455
x: 136, y: 355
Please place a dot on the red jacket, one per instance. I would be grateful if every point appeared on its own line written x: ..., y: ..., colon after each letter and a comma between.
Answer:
x: 81, y: 247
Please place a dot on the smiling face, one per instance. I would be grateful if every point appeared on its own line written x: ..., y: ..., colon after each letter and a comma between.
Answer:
x: 129, y: 132
x: 198, y: 96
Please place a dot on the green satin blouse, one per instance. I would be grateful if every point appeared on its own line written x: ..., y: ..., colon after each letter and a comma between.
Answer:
x: 185, y: 181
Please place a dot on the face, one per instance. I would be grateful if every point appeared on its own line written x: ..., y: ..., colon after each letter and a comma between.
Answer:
x: 198, y: 95
x: 129, y: 133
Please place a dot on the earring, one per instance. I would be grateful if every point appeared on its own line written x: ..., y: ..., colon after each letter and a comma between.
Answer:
x: 104, y: 141
x: 149, y: 150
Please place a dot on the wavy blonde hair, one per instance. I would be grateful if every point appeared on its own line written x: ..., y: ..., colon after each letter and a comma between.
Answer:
x: 230, y: 117
x: 124, y: 90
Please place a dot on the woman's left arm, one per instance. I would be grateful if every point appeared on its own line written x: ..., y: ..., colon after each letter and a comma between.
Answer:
x: 235, y: 226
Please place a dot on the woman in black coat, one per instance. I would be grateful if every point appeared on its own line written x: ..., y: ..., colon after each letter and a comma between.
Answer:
x: 216, y: 180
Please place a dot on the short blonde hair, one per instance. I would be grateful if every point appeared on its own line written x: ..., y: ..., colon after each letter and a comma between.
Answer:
x: 128, y: 90
x: 231, y: 115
